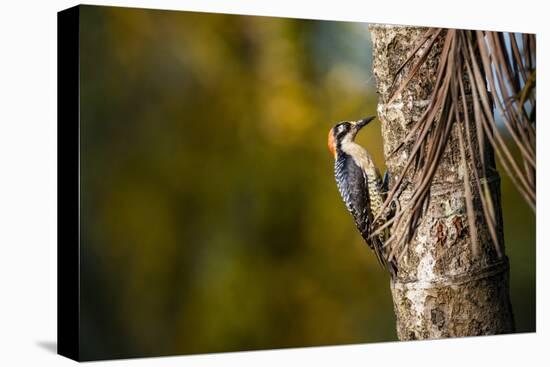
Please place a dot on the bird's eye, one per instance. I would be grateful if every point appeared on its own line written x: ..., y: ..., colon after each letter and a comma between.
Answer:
x: 343, y: 127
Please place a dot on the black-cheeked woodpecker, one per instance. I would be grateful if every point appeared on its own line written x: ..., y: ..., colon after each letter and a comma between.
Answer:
x: 360, y: 184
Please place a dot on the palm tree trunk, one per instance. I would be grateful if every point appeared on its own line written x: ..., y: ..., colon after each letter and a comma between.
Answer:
x: 445, y: 286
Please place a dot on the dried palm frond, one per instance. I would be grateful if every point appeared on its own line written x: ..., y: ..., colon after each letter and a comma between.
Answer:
x: 497, y: 70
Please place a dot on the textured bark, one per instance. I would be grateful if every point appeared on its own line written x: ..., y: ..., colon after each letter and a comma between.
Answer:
x: 442, y: 289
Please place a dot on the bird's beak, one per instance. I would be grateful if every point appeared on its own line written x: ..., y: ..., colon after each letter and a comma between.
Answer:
x: 364, y: 122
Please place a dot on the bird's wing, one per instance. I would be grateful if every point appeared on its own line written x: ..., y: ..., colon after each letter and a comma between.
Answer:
x: 352, y: 184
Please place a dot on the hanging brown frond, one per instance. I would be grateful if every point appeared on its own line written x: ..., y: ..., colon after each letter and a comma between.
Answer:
x: 497, y: 71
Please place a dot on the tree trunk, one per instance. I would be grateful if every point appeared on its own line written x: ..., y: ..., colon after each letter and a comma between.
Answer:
x: 443, y: 288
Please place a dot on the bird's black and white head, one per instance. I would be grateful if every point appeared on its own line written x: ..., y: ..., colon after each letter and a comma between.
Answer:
x: 345, y: 132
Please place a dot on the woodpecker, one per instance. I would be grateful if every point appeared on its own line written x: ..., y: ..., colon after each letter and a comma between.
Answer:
x: 360, y: 185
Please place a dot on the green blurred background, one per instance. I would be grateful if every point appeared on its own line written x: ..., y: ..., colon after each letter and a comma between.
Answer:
x: 210, y: 216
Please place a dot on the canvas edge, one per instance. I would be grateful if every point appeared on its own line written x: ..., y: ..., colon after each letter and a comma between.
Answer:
x: 68, y: 183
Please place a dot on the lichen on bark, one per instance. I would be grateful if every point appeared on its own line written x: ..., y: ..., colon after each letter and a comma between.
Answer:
x: 443, y: 287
